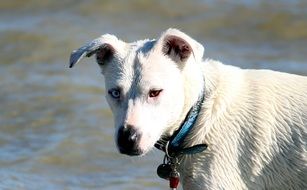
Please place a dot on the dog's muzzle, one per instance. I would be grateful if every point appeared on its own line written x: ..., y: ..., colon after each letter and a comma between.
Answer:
x: 128, y: 140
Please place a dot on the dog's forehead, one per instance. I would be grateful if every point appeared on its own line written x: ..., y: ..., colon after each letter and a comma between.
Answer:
x: 136, y: 59
x: 130, y: 64
x: 146, y: 61
x: 137, y: 51
x: 143, y: 46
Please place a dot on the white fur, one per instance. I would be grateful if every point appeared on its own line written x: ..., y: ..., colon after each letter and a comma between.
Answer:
x: 254, y: 121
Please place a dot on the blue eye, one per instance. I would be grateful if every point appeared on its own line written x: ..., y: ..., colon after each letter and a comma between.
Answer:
x: 114, y: 93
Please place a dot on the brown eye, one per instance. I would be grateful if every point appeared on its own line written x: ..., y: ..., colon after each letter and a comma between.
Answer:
x: 154, y: 93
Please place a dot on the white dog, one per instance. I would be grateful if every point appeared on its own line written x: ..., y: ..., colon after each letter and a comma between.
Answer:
x: 253, y: 121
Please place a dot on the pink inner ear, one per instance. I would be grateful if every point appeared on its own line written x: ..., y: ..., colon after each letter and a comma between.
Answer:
x: 179, y: 46
x: 104, y: 53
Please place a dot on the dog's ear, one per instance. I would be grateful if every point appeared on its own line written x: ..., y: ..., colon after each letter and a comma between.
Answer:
x: 179, y: 46
x: 104, y: 47
x: 176, y: 48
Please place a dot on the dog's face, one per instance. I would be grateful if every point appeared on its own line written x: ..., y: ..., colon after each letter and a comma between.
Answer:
x: 141, y: 90
x: 144, y: 85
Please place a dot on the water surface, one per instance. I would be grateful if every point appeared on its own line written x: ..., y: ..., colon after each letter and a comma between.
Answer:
x: 56, y: 131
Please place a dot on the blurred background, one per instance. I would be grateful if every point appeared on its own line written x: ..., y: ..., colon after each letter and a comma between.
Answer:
x: 56, y: 131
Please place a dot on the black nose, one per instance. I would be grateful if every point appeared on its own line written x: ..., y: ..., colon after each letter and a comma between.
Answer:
x: 128, y: 140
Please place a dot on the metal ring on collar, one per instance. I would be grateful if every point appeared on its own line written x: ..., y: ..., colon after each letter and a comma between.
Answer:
x: 166, y: 150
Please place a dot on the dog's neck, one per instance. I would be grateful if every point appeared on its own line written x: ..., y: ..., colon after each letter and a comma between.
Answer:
x: 194, y: 97
x: 194, y: 85
x: 175, y: 143
x: 202, y: 83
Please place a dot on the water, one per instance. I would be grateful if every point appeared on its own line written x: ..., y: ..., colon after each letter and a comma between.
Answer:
x: 56, y: 131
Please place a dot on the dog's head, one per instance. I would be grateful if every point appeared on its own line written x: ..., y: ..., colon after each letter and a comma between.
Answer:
x: 146, y: 84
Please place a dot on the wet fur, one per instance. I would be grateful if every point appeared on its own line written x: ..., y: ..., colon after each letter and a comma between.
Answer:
x: 254, y: 122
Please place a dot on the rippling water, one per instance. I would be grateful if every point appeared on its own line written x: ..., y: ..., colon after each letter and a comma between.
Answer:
x: 56, y: 130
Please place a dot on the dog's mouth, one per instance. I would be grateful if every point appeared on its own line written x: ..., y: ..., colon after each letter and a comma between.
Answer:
x: 134, y: 152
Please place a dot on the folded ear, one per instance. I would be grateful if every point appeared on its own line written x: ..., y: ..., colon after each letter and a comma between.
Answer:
x: 179, y: 46
x: 104, y: 47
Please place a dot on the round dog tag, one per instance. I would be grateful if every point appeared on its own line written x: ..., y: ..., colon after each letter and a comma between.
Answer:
x: 164, y: 171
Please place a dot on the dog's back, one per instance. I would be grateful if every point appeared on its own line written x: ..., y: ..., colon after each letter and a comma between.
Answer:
x: 254, y: 122
x: 278, y: 109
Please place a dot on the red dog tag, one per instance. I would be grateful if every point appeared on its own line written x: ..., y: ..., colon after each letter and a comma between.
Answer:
x: 174, y: 179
